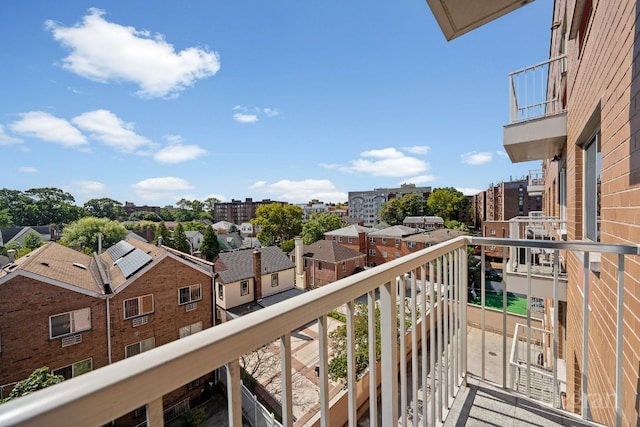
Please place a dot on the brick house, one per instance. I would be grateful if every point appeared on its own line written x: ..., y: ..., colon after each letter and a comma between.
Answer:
x: 84, y: 312
x: 326, y: 261
x: 385, y: 245
x: 423, y: 222
x: 352, y: 236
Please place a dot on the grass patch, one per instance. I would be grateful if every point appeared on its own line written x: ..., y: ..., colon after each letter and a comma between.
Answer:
x: 515, y: 305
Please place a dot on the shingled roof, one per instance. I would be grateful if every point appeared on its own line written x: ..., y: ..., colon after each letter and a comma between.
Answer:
x: 238, y: 265
x: 349, y: 231
x: 329, y: 251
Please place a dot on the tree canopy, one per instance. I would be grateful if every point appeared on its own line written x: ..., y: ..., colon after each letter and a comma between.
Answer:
x: 105, y: 208
x: 40, y: 206
x: 277, y: 223
x: 180, y: 241
x: 84, y: 232
x: 32, y: 240
x: 163, y: 231
x: 39, y: 379
x: 314, y: 229
x: 395, y: 211
x: 5, y: 218
x: 446, y: 203
x: 210, y: 247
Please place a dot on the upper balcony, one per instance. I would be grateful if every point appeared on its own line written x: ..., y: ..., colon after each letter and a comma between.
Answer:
x: 537, y: 128
x: 535, y: 185
x: 431, y: 367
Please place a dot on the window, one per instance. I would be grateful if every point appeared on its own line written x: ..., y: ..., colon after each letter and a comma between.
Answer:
x: 350, y: 240
x: 140, y: 347
x: 274, y: 280
x: 384, y: 254
x: 372, y: 239
x: 592, y: 169
x: 397, y: 242
x: 189, y: 294
x: 372, y: 252
x: 344, y: 266
x: 492, y: 232
x: 411, y: 245
x: 185, y: 331
x: 70, y: 322
x: 339, y: 239
x: 244, y: 288
x: 384, y: 240
x: 138, y: 306
x: 305, y: 263
x: 75, y: 369
x: 357, y: 262
x: 319, y: 265
x: 221, y: 291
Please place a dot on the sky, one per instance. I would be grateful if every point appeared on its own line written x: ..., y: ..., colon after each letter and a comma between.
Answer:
x: 154, y: 101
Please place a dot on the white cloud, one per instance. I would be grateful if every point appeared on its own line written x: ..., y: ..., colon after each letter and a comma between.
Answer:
x: 301, y: 191
x: 161, y: 188
x: 475, y: 158
x: 467, y: 191
x: 49, y: 128
x: 417, y: 149
x: 502, y: 153
x: 177, y: 153
x: 421, y: 179
x: 6, y: 139
x: 109, y: 129
x: 174, y: 139
x: 27, y: 169
x: 104, y: 52
x: 270, y: 112
x: 245, y: 118
x: 387, y: 162
x: 89, y: 188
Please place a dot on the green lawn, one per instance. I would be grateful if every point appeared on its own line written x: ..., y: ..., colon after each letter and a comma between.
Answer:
x: 515, y: 304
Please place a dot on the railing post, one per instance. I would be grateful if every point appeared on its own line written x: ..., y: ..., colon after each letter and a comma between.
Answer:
x: 285, y: 380
x: 482, y: 309
x: 439, y: 327
x: 585, y: 335
x: 414, y: 344
x: 619, y: 339
x: 424, y: 346
x: 323, y: 361
x: 504, y: 319
x: 373, y: 384
x: 528, y: 356
x: 556, y: 317
x: 155, y: 414
x: 351, y: 364
x: 234, y: 395
x: 445, y: 332
x: 432, y: 342
x: 389, y: 356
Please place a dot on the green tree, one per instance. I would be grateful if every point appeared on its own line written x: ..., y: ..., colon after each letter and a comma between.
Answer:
x: 40, y: 206
x: 84, y: 232
x: 32, y: 240
x: 105, y: 208
x: 167, y: 215
x: 446, y: 203
x: 180, y: 241
x: 210, y: 247
x: 277, y: 223
x: 456, y: 225
x: 163, y: 232
x: 210, y: 204
x: 194, y: 226
x: 5, y: 218
x: 145, y: 216
x: 288, y: 245
x: 395, y: 211
x: 39, y: 379
x: 314, y: 229
x: 338, y: 337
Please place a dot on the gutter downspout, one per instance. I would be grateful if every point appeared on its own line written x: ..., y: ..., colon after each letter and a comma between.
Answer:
x: 108, y: 331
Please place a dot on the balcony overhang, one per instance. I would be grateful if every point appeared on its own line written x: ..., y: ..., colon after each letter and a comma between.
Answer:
x: 457, y: 17
x: 536, y: 139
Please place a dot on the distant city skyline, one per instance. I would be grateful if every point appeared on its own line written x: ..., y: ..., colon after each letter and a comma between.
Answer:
x: 151, y: 103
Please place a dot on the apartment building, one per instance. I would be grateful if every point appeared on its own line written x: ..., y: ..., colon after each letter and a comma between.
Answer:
x: 238, y: 212
x: 366, y: 205
x: 423, y: 222
x: 505, y: 200
x: 75, y: 313
x: 352, y: 236
x: 586, y: 137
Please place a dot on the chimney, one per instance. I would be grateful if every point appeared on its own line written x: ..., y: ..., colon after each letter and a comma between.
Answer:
x: 12, y: 255
x: 159, y: 240
x: 99, y: 243
x: 257, y: 275
x: 301, y: 280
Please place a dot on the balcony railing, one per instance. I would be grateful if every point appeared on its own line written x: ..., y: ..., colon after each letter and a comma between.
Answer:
x: 431, y: 338
x: 537, y: 91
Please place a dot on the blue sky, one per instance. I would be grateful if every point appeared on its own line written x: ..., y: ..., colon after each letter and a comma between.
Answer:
x: 153, y: 101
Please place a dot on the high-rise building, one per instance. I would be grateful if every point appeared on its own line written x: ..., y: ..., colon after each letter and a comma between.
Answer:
x: 366, y: 205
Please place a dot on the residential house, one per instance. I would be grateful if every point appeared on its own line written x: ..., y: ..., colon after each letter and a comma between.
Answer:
x: 48, y: 233
x: 352, y: 236
x: 230, y: 241
x: 326, y: 261
x: 245, y: 278
x: 195, y: 239
x: 75, y: 313
x: 423, y: 222
x: 385, y: 245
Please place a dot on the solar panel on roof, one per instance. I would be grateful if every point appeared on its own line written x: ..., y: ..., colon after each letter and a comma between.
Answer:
x: 119, y: 250
x: 133, y: 262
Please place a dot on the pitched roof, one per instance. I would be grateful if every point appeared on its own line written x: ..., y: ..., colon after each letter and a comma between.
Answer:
x: 395, y: 231
x: 329, y: 251
x: 349, y: 231
x: 117, y: 274
x: 230, y: 241
x: 423, y: 219
x: 238, y: 265
x: 436, y: 236
x: 60, y: 264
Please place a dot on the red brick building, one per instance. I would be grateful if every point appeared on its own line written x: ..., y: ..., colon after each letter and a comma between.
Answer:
x: 326, y: 261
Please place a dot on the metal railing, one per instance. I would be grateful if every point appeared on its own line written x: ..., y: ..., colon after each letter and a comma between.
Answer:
x: 536, y: 91
x: 435, y: 341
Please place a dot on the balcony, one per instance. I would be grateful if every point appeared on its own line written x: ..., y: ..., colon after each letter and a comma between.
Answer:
x: 535, y: 185
x: 537, y: 129
x: 433, y: 368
